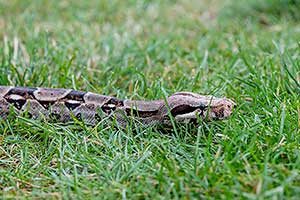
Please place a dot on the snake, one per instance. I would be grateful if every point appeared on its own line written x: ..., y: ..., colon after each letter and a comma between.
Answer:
x: 65, y: 105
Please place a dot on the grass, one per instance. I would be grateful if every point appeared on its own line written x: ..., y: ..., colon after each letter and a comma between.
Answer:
x: 247, y: 51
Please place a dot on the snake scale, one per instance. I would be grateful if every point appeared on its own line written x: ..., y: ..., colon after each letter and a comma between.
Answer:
x: 64, y: 105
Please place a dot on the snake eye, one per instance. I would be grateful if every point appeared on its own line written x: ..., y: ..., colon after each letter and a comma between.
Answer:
x: 202, y: 106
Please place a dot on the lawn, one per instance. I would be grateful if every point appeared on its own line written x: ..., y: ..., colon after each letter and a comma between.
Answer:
x: 246, y: 50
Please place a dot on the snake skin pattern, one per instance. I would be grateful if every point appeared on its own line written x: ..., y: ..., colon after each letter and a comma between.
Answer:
x: 64, y: 105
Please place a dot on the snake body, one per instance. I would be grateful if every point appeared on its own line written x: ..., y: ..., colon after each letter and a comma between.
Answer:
x: 64, y: 105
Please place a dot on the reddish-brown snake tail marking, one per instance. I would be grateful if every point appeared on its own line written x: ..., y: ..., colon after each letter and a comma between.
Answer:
x: 65, y: 104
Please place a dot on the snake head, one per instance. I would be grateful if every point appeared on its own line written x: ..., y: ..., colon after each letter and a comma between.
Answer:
x: 188, y: 106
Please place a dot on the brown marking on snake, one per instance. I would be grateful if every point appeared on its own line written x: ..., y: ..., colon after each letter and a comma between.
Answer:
x: 76, y: 95
x: 50, y: 95
x: 92, y: 98
x: 144, y: 105
x: 25, y: 92
x: 140, y: 113
x: 17, y: 100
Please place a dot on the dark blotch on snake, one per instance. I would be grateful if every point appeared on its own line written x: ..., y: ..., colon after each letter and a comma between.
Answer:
x: 18, y: 103
x: 72, y: 105
x: 107, y: 108
x: 22, y: 91
x: 76, y: 95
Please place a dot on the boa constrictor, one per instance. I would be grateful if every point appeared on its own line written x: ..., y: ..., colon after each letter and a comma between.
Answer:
x: 66, y: 104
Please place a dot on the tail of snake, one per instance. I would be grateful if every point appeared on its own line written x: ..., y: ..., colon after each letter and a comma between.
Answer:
x: 64, y: 105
